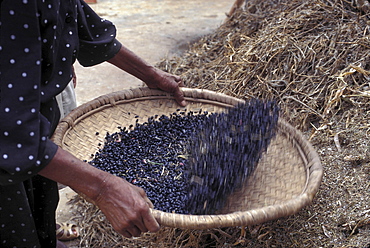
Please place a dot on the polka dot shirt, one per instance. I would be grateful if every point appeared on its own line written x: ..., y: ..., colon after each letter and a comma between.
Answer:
x: 39, y: 42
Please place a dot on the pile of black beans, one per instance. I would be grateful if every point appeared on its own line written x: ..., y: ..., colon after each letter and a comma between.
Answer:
x: 152, y: 156
x: 225, y: 150
x: 188, y: 162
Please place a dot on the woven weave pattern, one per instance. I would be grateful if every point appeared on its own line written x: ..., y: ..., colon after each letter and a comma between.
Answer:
x: 285, y: 180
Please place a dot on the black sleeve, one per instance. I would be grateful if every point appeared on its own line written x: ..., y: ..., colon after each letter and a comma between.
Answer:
x: 97, y: 37
x: 24, y: 145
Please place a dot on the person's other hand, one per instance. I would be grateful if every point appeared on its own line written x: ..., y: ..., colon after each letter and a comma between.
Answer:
x: 126, y: 207
x: 169, y: 83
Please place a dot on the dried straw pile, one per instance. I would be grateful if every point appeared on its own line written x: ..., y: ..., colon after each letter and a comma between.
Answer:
x: 310, y: 55
x: 313, y: 57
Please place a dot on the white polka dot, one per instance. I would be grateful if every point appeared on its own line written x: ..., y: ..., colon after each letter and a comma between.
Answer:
x: 12, y: 61
x: 6, y: 133
x: 25, y: 1
x: 29, y: 172
x: 46, y: 156
x: 19, y: 145
x: 33, y: 110
x: 38, y: 163
x: 30, y: 157
x: 44, y: 40
x: 64, y: 59
x: 17, y: 169
x: 19, y: 122
x: 26, y: 26
x: 7, y: 110
x: 38, y: 62
x: 24, y: 74
x: 11, y: 12
x: 10, y: 86
x: 35, y: 87
x: 68, y: 45
x: 21, y: 98
x: 32, y: 134
x: 12, y: 37
x: 26, y: 50
x: 60, y: 72
x: 5, y: 156
x: 43, y: 138
x: 70, y: 32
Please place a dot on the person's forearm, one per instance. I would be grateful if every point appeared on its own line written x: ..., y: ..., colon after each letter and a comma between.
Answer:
x: 126, y: 206
x: 153, y: 77
x: 80, y: 176
x: 134, y: 65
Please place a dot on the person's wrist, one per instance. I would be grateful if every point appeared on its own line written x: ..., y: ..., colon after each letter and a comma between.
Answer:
x: 101, y: 186
x: 154, y: 77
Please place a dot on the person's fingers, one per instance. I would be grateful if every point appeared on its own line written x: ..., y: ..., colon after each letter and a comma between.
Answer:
x: 149, y: 202
x: 179, y: 96
x: 179, y: 81
x: 126, y: 234
x: 135, y: 231
x: 150, y: 222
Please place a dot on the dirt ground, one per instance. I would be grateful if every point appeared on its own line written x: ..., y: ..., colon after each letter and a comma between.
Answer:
x: 153, y: 30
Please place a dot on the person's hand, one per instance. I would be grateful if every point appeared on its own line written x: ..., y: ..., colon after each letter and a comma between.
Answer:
x: 126, y: 207
x: 169, y: 83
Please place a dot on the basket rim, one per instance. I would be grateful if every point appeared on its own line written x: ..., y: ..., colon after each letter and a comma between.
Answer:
x: 242, y: 218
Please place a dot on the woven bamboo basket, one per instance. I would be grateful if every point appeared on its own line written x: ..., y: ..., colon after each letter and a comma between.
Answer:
x: 286, y: 179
